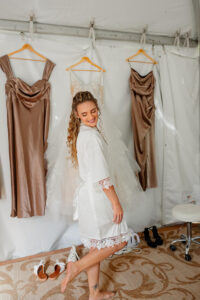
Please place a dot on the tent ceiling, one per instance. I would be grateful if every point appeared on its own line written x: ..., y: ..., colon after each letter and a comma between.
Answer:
x: 162, y: 17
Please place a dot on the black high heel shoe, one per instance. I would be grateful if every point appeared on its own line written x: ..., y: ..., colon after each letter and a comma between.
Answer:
x: 157, y: 237
x: 150, y: 243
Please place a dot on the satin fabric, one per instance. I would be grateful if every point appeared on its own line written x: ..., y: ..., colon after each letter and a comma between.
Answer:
x: 143, y: 122
x: 1, y: 180
x: 28, y: 113
x: 95, y: 213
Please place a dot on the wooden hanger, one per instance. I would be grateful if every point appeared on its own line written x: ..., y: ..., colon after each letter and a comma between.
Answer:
x: 85, y: 59
x: 30, y: 48
x: 141, y: 51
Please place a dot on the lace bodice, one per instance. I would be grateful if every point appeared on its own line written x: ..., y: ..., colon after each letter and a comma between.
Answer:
x: 95, y: 86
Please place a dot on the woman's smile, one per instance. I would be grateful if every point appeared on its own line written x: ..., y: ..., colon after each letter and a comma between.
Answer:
x: 88, y: 113
x: 92, y: 121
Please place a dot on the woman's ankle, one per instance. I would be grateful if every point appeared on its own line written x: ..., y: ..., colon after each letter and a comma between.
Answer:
x: 94, y: 290
x: 73, y: 269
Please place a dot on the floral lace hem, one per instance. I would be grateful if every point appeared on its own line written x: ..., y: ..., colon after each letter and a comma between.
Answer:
x: 106, y: 242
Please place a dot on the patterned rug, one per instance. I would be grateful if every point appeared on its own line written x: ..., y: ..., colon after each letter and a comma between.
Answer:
x: 151, y: 274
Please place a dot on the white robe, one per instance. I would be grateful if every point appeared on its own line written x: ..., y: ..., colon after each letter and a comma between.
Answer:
x: 95, y: 213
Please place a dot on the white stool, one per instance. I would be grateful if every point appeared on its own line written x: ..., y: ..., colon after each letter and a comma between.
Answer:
x: 187, y: 213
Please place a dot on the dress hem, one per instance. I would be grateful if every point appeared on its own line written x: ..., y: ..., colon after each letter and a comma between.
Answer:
x: 106, y: 242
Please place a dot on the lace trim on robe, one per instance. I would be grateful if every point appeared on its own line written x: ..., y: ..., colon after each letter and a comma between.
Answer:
x: 106, y: 242
x: 105, y: 183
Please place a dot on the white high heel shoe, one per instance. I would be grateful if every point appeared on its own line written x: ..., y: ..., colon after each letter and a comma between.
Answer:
x: 59, y: 267
x: 39, y: 271
x: 73, y: 256
x: 132, y: 244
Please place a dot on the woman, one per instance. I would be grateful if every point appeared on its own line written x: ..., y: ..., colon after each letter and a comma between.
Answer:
x: 100, y: 213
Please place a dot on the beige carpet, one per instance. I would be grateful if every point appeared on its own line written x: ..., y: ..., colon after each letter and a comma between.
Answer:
x: 152, y: 274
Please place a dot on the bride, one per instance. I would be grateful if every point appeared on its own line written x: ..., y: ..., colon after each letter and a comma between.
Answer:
x: 102, y: 227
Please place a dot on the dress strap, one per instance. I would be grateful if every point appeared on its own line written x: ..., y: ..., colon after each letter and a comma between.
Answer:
x: 76, y: 84
x: 48, y: 69
x: 5, y: 66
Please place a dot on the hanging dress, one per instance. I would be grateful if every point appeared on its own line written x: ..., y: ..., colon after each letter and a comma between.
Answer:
x: 1, y: 180
x: 28, y: 113
x: 143, y: 122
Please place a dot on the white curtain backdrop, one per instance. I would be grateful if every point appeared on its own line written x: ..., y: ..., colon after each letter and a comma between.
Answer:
x: 177, y: 126
x: 180, y: 90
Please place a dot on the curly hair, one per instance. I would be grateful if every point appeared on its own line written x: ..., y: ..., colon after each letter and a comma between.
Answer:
x: 74, y: 123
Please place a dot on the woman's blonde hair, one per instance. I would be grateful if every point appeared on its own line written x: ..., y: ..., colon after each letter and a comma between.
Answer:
x: 74, y: 123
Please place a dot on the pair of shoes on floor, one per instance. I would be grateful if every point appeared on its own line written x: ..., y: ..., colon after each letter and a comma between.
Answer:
x: 40, y: 272
x: 59, y: 267
x: 158, y: 240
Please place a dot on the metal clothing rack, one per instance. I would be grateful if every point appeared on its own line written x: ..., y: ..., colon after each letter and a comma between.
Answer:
x: 100, y: 34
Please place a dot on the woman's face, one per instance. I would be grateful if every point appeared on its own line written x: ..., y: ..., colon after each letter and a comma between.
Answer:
x: 88, y: 113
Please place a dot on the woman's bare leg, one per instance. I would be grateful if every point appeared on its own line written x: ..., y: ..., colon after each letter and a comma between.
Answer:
x: 93, y: 276
x: 89, y: 260
x: 93, y: 282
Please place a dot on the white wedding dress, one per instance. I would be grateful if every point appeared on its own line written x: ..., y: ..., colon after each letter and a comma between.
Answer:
x: 103, y: 160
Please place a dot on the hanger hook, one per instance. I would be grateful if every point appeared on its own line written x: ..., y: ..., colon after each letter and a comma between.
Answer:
x: 92, y: 23
x: 153, y: 47
x: 187, y: 40
x: 22, y: 35
x: 177, y: 38
x: 92, y: 33
x: 31, y: 24
x: 143, y: 37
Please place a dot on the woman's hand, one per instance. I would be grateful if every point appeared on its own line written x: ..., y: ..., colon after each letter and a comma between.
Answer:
x: 116, y: 206
x: 118, y: 213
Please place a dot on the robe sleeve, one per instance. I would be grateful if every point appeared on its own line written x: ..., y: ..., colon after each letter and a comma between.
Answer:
x: 105, y: 183
x: 96, y: 159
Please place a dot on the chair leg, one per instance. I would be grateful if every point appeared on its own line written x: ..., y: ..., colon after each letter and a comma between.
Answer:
x: 194, y: 240
x: 179, y: 240
x: 189, y: 237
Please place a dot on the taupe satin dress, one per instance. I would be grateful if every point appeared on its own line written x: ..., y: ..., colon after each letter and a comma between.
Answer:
x: 28, y: 113
x: 1, y: 180
x: 143, y: 122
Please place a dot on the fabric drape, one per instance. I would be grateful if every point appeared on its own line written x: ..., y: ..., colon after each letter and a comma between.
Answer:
x: 143, y: 122
x: 28, y: 113
x: 1, y: 180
